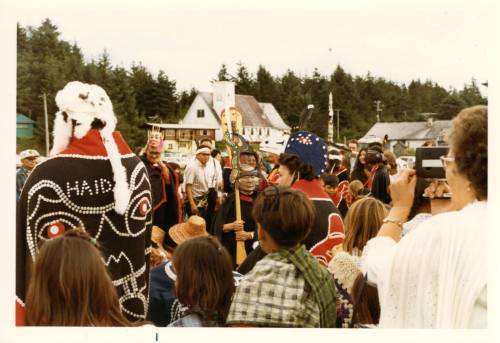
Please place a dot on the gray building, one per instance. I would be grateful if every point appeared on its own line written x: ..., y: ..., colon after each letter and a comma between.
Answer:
x: 409, y: 134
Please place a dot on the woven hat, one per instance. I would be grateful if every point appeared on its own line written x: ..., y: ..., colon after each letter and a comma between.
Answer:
x: 310, y: 149
x: 194, y: 227
x: 81, y: 106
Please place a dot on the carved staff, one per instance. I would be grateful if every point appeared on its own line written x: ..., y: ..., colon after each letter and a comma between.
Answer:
x: 231, y: 125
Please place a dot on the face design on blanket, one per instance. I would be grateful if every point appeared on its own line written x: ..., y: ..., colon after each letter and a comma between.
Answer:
x: 84, y: 198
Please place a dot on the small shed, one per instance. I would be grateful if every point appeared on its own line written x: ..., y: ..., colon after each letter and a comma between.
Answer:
x: 24, y: 126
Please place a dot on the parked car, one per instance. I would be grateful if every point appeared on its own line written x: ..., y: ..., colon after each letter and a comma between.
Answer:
x: 177, y: 157
x: 405, y: 162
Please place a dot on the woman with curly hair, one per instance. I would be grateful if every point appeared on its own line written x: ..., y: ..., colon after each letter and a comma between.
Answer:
x: 436, y: 277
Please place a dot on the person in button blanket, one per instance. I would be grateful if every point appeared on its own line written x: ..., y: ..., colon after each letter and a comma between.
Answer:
x: 92, y: 181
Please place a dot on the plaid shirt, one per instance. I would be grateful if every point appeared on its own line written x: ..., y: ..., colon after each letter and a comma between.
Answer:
x: 275, y: 293
x: 194, y: 320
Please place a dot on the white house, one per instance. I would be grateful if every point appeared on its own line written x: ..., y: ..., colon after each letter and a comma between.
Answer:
x: 183, y: 138
x: 411, y: 134
x: 260, y: 120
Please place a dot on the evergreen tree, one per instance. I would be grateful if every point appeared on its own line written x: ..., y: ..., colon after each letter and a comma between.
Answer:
x: 45, y: 63
x: 165, y: 101
x: 223, y: 75
x: 245, y: 83
x: 267, y: 87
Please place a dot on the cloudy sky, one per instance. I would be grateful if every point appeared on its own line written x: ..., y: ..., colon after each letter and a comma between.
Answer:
x: 444, y: 41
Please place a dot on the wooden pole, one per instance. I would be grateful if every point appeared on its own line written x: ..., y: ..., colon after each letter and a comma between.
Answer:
x: 241, y: 253
x: 46, y: 125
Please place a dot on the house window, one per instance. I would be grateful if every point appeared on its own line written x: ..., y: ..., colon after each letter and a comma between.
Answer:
x: 170, y: 147
x: 182, y: 145
x: 205, y: 132
x: 169, y: 132
x: 243, y: 133
x: 260, y: 132
x: 251, y: 131
x: 200, y: 113
x: 22, y: 126
x: 268, y: 132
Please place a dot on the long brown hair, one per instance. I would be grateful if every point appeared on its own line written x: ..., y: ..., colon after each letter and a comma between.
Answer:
x: 204, y: 282
x: 366, y: 300
x: 362, y: 222
x: 70, y: 285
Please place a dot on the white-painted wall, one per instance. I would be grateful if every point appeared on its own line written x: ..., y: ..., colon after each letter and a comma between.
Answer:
x: 223, y: 94
x: 208, y: 120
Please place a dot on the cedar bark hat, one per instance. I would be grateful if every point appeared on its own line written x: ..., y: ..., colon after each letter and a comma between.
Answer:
x: 194, y: 227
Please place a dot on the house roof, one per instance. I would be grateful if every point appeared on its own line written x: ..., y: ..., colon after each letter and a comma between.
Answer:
x: 22, y: 119
x: 183, y: 126
x: 208, y: 98
x: 251, y: 110
x: 274, y: 116
x: 420, y: 130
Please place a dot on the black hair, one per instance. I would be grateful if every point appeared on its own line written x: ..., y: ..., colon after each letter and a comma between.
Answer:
x: 215, y: 152
x: 295, y: 165
x: 419, y: 200
x: 330, y: 180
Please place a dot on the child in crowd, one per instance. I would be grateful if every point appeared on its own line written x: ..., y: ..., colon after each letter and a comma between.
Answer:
x: 204, y: 282
x: 164, y: 307
x: 70, y: 285
x: 288, y: 287
x: 331, y: 187
x: 362, y: 223
x: 357, y: 190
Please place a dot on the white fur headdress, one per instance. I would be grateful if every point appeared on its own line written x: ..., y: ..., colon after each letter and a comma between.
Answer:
x: 80, y: 104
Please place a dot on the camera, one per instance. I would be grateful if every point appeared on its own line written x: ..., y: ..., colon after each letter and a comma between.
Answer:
x: 428, y: 163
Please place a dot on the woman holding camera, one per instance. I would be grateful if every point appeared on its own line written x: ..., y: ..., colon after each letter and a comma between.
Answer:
x: 436, y: 276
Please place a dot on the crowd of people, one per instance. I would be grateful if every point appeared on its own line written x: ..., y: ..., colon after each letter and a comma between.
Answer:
x: 331, y: 237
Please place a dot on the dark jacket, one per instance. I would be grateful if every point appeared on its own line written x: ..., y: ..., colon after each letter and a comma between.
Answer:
x: 380, y: 185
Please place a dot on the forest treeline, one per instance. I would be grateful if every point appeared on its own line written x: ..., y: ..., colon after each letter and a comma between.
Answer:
x: 45, y: 63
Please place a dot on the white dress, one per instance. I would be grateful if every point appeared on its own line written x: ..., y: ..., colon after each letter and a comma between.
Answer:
x: 436, y: 276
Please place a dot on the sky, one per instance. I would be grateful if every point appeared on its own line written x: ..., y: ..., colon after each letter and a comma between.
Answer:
x: 443, y: 41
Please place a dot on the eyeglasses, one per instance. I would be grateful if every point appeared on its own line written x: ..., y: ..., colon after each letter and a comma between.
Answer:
x: 445, y: 160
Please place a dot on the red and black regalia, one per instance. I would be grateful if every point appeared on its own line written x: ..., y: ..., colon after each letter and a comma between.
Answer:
x: 328, y: 228
x: 167, y: 208
x: 92, y: 181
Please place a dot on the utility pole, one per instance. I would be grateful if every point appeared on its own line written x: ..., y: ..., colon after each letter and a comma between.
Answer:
x: 46, y: 125
x: 379, y: 105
